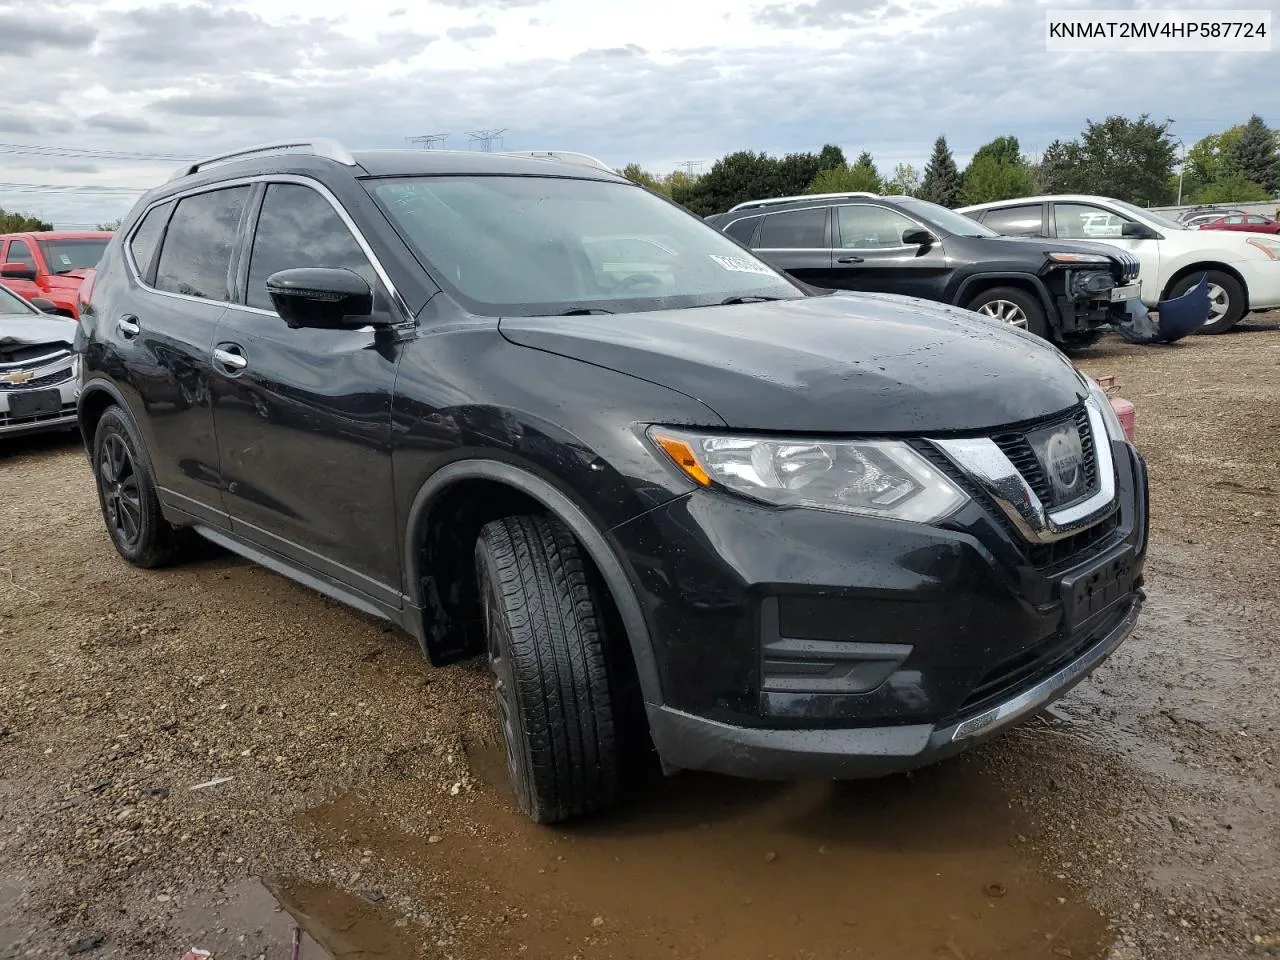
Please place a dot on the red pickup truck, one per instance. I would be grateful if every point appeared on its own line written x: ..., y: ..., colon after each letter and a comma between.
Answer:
x: 50, y: 264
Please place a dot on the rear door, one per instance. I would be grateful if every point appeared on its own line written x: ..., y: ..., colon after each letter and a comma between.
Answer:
x: 871, y: 256
x: 303, y: 416
x: 797, y: 241
x: 160, y: 339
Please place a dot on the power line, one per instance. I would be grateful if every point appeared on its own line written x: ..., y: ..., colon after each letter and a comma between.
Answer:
x: 71, y: 190
x: 688, y: 166
x: 486, y: 138
x: 86, y: 153
x: 428, y: 141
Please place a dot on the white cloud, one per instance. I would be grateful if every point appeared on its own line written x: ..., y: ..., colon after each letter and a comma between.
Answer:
x: 657, y: 83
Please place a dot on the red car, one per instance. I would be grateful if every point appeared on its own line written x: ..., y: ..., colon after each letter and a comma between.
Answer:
x: 1252, y: 222
x: 50, y: 264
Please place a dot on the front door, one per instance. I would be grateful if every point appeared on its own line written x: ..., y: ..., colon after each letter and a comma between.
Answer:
x: 871, y: 256
x: 797, y: 242
x: 303, y: 416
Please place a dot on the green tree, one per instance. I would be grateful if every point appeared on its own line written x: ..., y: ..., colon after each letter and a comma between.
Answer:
x: 21, y: 223
x: 1003, y: 149
x: 1206, y: 155
x: 861, y: 177
x: 905, y: 181
x: 830, y: 157
x: 1060, y: 169
x: 941, y: 183
x: 990, y: 178
x: 733, y: 179
x: 1233, y: 188
x: 112, y: 226
x: 1122, y: 158
x: 1254, y: 156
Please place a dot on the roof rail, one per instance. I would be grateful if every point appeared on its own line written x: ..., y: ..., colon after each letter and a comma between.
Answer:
x: 805, y: 196
x: 315, y: 146
x: 563, y: 156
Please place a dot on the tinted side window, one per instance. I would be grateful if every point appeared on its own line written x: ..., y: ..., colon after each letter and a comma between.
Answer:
x: 867, y: 227
x: 298, y: 228
x: 19, y: 252
x: 742, y: 230
x: 147, y: 237
x: 196, y: 255
x: 1015, y: 220
x: 794, y: 229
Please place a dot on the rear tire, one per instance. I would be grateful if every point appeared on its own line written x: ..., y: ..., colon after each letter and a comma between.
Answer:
x: 1004, y: 302
x: 127, y: 496
x: 544, y: 628
x: 1228, y: 292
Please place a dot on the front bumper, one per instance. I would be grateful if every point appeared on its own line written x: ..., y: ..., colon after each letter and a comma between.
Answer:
x: 685, y: 741
x: 1262, y: 277
x: 801, y: 643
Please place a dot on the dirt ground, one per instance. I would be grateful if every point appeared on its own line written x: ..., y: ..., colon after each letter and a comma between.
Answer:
x: 200, y: 756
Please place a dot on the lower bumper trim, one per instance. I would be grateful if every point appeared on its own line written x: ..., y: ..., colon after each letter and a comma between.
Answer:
x: 686, y: 741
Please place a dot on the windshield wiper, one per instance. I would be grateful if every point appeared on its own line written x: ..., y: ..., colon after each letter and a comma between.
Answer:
x: 729, y: 301
x: 580, y: 312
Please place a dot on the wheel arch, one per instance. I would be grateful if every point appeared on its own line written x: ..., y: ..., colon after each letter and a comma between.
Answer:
x: 529, y: 488
x: 95, y: 397
x: 1203, y: 267
x: 972, y: 286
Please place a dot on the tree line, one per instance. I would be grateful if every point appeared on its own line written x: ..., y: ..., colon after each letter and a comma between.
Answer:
x: 1132, y: 160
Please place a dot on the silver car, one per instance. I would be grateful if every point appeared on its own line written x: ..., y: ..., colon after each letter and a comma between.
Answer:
x: 37, y: 368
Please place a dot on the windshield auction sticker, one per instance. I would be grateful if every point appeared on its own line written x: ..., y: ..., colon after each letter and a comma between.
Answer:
x: 1158, y: 31
x: 741, y: 265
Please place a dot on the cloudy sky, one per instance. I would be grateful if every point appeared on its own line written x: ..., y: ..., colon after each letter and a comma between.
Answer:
x: 657, y: 82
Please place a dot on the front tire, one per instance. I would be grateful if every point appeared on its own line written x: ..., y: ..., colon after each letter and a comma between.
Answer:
x: 1013, y: 306
x: 1226, y: 299
x: 545, y: 637
x: 127, y: 495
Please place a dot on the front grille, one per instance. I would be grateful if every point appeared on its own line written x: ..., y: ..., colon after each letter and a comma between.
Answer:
x: 1090, y: 452
x: 48, y: 380
x: 1077, y: 547
x: 68, y: 409
x: 44, y: 352
x: 1020, y: 454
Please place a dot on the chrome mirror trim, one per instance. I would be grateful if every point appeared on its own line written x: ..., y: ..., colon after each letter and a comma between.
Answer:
x: 981, y: 459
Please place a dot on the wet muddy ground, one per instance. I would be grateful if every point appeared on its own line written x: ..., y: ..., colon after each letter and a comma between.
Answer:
x: 345, y: 787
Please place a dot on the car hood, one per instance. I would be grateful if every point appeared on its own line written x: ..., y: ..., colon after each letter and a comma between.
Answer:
x: 20, y: 331
x: 857, y: 363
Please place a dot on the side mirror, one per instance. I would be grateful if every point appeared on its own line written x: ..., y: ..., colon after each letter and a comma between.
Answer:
x: 17, y: 271
x: 1136, y: 231
x: 321, y: 298
x: 43, y: 305
x: 917, y: 237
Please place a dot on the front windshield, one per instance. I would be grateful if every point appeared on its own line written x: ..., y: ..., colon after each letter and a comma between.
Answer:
x: 529, y: 246
x: 1164, y: 223
x: 63, y: 256
x: 12, y: 306
x: 948, y: 220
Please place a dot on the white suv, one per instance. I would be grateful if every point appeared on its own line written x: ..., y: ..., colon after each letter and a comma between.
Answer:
x: 1243, y: 268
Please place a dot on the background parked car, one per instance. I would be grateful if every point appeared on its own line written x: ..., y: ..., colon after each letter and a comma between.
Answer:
x: 51, y: 264
x: 1065, y: 292
x: 1243, y: 269
x: 1242, y: 222
x: 1193, y: 218
x: 37, y: 368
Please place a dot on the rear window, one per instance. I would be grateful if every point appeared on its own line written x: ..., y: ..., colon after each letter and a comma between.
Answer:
x: 742, y: 230
x: 63, y: 256
x: 794, y: 229
x: 196, y: 256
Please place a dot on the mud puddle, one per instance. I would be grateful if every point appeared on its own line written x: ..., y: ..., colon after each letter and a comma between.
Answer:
x: 703, y: 866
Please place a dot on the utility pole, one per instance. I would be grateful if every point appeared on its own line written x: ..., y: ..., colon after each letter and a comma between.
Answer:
x: 485, y: 139
x: 688, y: 166
x: 1169, y: 121
x: 429, y: 141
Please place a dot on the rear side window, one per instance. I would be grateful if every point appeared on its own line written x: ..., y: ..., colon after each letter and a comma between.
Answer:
x: 794, y: 229
x: 299, y: 228
x: 1013, y: 220
x: 147, y: 238
x: 19, y: 252
x: 742, y: 230
x: 196, y: 255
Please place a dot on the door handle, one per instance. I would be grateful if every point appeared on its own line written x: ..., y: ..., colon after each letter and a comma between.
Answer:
x: 849, y: 260
x: 128, y: 326
x: 229, y: 358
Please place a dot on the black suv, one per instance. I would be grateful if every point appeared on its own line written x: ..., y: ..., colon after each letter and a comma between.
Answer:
x: 524, y: 408
x: 1062, y: 291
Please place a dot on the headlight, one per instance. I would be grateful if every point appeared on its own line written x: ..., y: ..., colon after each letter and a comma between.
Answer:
x: 1078, y: 258
x: 1115, y: 429
x: 873, y: 478
x: 1268, y: 246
